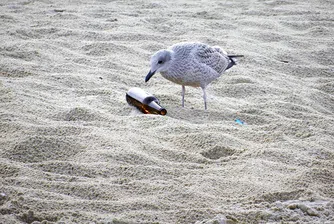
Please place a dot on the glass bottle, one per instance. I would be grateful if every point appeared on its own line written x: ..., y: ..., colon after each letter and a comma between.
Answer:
x: 144, y: 101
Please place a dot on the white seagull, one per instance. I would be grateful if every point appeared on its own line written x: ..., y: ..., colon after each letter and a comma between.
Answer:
x: 191, y: 64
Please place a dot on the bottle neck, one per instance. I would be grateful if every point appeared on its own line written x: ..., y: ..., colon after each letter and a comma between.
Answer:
x: 154, y: 105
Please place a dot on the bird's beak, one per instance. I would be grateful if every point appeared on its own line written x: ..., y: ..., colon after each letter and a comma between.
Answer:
x: 149, y: 75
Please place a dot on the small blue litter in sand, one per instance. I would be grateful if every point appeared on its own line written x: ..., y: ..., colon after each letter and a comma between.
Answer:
x: 239, y: 121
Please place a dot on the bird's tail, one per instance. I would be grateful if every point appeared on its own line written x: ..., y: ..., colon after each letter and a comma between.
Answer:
x: 233, y: 60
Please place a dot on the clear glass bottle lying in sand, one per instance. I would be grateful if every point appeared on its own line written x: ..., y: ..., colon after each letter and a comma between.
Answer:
x: 145, y: 102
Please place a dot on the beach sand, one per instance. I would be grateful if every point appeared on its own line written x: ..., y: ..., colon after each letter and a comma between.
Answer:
x: 73, y: 151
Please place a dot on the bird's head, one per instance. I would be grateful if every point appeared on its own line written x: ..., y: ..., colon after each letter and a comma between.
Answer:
x: 160, y: 62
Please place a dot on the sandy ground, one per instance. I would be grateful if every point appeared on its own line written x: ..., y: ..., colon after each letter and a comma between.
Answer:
x: 73, y: 151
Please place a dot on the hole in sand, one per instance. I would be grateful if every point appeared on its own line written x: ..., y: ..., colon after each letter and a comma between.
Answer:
x: 218, y: 152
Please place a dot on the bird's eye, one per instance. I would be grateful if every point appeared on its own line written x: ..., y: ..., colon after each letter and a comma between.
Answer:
x: 160, y: 62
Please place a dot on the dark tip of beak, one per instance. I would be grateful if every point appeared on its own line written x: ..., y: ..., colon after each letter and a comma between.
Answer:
x: 149, y: 75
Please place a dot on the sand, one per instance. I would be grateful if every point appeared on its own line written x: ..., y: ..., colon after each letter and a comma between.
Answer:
x: 73, y: 151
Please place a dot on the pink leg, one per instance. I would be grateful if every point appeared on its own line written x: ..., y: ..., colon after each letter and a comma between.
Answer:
x: 204, y: 97
x: 183, y: 92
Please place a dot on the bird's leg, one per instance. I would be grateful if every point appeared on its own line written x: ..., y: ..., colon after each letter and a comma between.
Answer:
x: 183, y: 92
x: 204, y: 97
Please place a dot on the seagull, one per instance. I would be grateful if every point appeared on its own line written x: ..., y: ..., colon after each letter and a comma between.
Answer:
x: 191, y: 64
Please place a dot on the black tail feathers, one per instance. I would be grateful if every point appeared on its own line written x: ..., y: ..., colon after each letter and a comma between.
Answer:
x: 233, y: 60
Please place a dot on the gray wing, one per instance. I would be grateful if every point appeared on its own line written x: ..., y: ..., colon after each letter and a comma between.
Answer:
x: 212, y: 57
x: 196, y: 64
